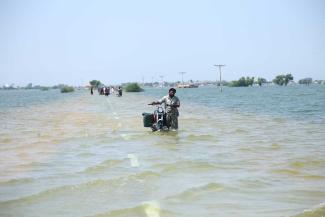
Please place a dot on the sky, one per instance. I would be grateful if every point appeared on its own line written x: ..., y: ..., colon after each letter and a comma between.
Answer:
x: 75, y: 41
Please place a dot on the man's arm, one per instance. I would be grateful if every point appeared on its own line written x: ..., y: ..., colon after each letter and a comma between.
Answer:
x: 154, y: 103
x: 159, y: 102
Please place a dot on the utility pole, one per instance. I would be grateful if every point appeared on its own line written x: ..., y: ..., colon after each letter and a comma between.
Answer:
x: 182, y: 73
x: 162, y: 81
x: 220, y: 66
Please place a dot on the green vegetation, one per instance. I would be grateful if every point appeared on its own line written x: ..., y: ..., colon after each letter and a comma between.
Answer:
x: 243, y: 82
x: 283, y: 79
x: 306, y: 81
x: 67, y: 89
x: 59, y: 86
x: 261, y: 81
x: 95, y: 83
x: 133, y: 87
x: 30, y: 86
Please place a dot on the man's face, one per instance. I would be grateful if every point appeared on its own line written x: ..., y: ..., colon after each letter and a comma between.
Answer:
x: 171, y: 93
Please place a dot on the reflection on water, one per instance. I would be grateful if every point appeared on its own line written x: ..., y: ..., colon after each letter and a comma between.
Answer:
x: 83, y: 155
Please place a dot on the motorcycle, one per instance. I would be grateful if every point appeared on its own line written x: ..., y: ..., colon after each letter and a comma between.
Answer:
x: 156, y: 120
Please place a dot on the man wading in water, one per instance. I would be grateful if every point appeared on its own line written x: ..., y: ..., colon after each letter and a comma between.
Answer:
x: 171, y: 104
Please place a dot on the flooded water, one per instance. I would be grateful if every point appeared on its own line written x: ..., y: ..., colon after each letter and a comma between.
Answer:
x: 246, y: 152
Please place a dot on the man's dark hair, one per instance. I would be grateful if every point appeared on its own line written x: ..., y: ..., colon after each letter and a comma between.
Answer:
x: 172, y: 89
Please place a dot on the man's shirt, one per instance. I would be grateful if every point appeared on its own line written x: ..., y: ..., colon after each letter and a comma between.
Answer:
x: 168, y: 101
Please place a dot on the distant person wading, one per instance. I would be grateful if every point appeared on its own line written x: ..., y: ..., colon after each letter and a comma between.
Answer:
x: 119, y: 91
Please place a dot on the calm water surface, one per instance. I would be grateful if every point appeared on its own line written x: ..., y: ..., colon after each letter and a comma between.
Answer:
x: 245, y: 152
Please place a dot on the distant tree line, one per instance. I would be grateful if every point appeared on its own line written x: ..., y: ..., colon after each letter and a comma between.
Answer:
x: 132, y: 87
x: 250, y: 81
x: 95, y: 83
x: 243, y: 82
x: 30, y: 86
x: 261, y: 81
x: 283, y: 79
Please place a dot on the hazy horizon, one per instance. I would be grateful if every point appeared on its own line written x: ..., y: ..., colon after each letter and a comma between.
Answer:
x: 73, y: 42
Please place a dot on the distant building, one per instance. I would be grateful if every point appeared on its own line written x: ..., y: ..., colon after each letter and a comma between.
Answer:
x: 319, y: 82
x: 9, y: 87
x: 187, y: 86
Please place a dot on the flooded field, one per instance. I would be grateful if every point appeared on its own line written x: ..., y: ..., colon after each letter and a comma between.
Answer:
x: 245, y: 152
